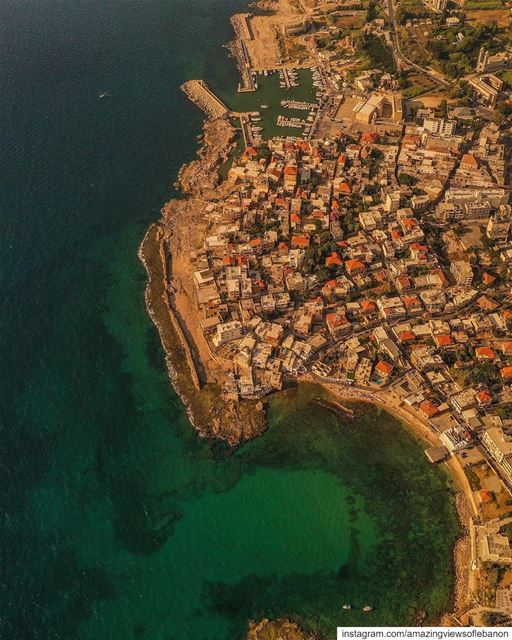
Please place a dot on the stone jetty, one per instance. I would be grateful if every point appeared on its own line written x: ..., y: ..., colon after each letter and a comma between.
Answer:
x: 203, y: 97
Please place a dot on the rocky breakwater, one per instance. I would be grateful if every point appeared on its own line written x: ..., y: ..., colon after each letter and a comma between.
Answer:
x: 204, y: 98
x: 166, y: 253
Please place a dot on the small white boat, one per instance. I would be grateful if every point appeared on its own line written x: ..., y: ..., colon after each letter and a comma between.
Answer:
x: 264, y: 106
x: 367, y: 608
x: 347, y: 607
x: 103, y: 94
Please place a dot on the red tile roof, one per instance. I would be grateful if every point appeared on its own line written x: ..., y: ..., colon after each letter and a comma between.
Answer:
x: 409, y: 223
x: 486, y: 496
x: 334, y: 260
x: 330, y: 285
x: 336, y: 320
x: 469, y: 161
x: 484, y: 397
x: 443, y: 340
x: 369, y: 137
x: 411, y: 302
x: 354, y: 265
x: 488, y: 278
x: 300, y: 241
x: 384, y: 368
x: 428, y: 408
x: 407, y: 336
x: 367, y: 305
x: 506, y: 347
x: 485, y: 353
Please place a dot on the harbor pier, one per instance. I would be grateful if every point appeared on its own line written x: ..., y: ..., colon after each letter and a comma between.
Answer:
x: 203, y: 97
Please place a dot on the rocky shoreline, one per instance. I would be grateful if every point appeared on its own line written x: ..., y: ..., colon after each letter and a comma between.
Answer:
x: 280, y: 629
x: 165, y: 254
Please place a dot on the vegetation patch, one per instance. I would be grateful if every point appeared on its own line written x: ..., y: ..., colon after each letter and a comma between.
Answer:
x: 483, y: 5
x: 411, y: 9
x: 377, y: 52
x: 457, y: 56
x: 415, y: 84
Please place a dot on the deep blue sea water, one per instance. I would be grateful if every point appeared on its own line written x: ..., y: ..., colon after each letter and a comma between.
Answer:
x: 116, y: 522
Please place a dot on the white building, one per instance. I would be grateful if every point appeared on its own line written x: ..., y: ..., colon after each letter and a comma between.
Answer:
x: 499, y: 445
x: 440, y: 126
x: 392, y: 202
x: 462, y: 272
x: 227, y: 331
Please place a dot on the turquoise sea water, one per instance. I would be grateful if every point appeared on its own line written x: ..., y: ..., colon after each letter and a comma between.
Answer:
x: 117, y: 523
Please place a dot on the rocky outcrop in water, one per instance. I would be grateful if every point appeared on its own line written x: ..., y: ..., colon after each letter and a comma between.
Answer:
x: 277, y: 630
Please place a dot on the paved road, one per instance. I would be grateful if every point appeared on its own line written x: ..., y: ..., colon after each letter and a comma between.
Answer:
x: 399, y: 56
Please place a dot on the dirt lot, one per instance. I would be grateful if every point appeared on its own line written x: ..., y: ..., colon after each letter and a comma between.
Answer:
x: 454, y: 249
x: 264, y: 50
x: 433, y: 100
x: 501, y: 16
x: 418, y: 84
x: 348, y: 22
x: 346, y: 109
